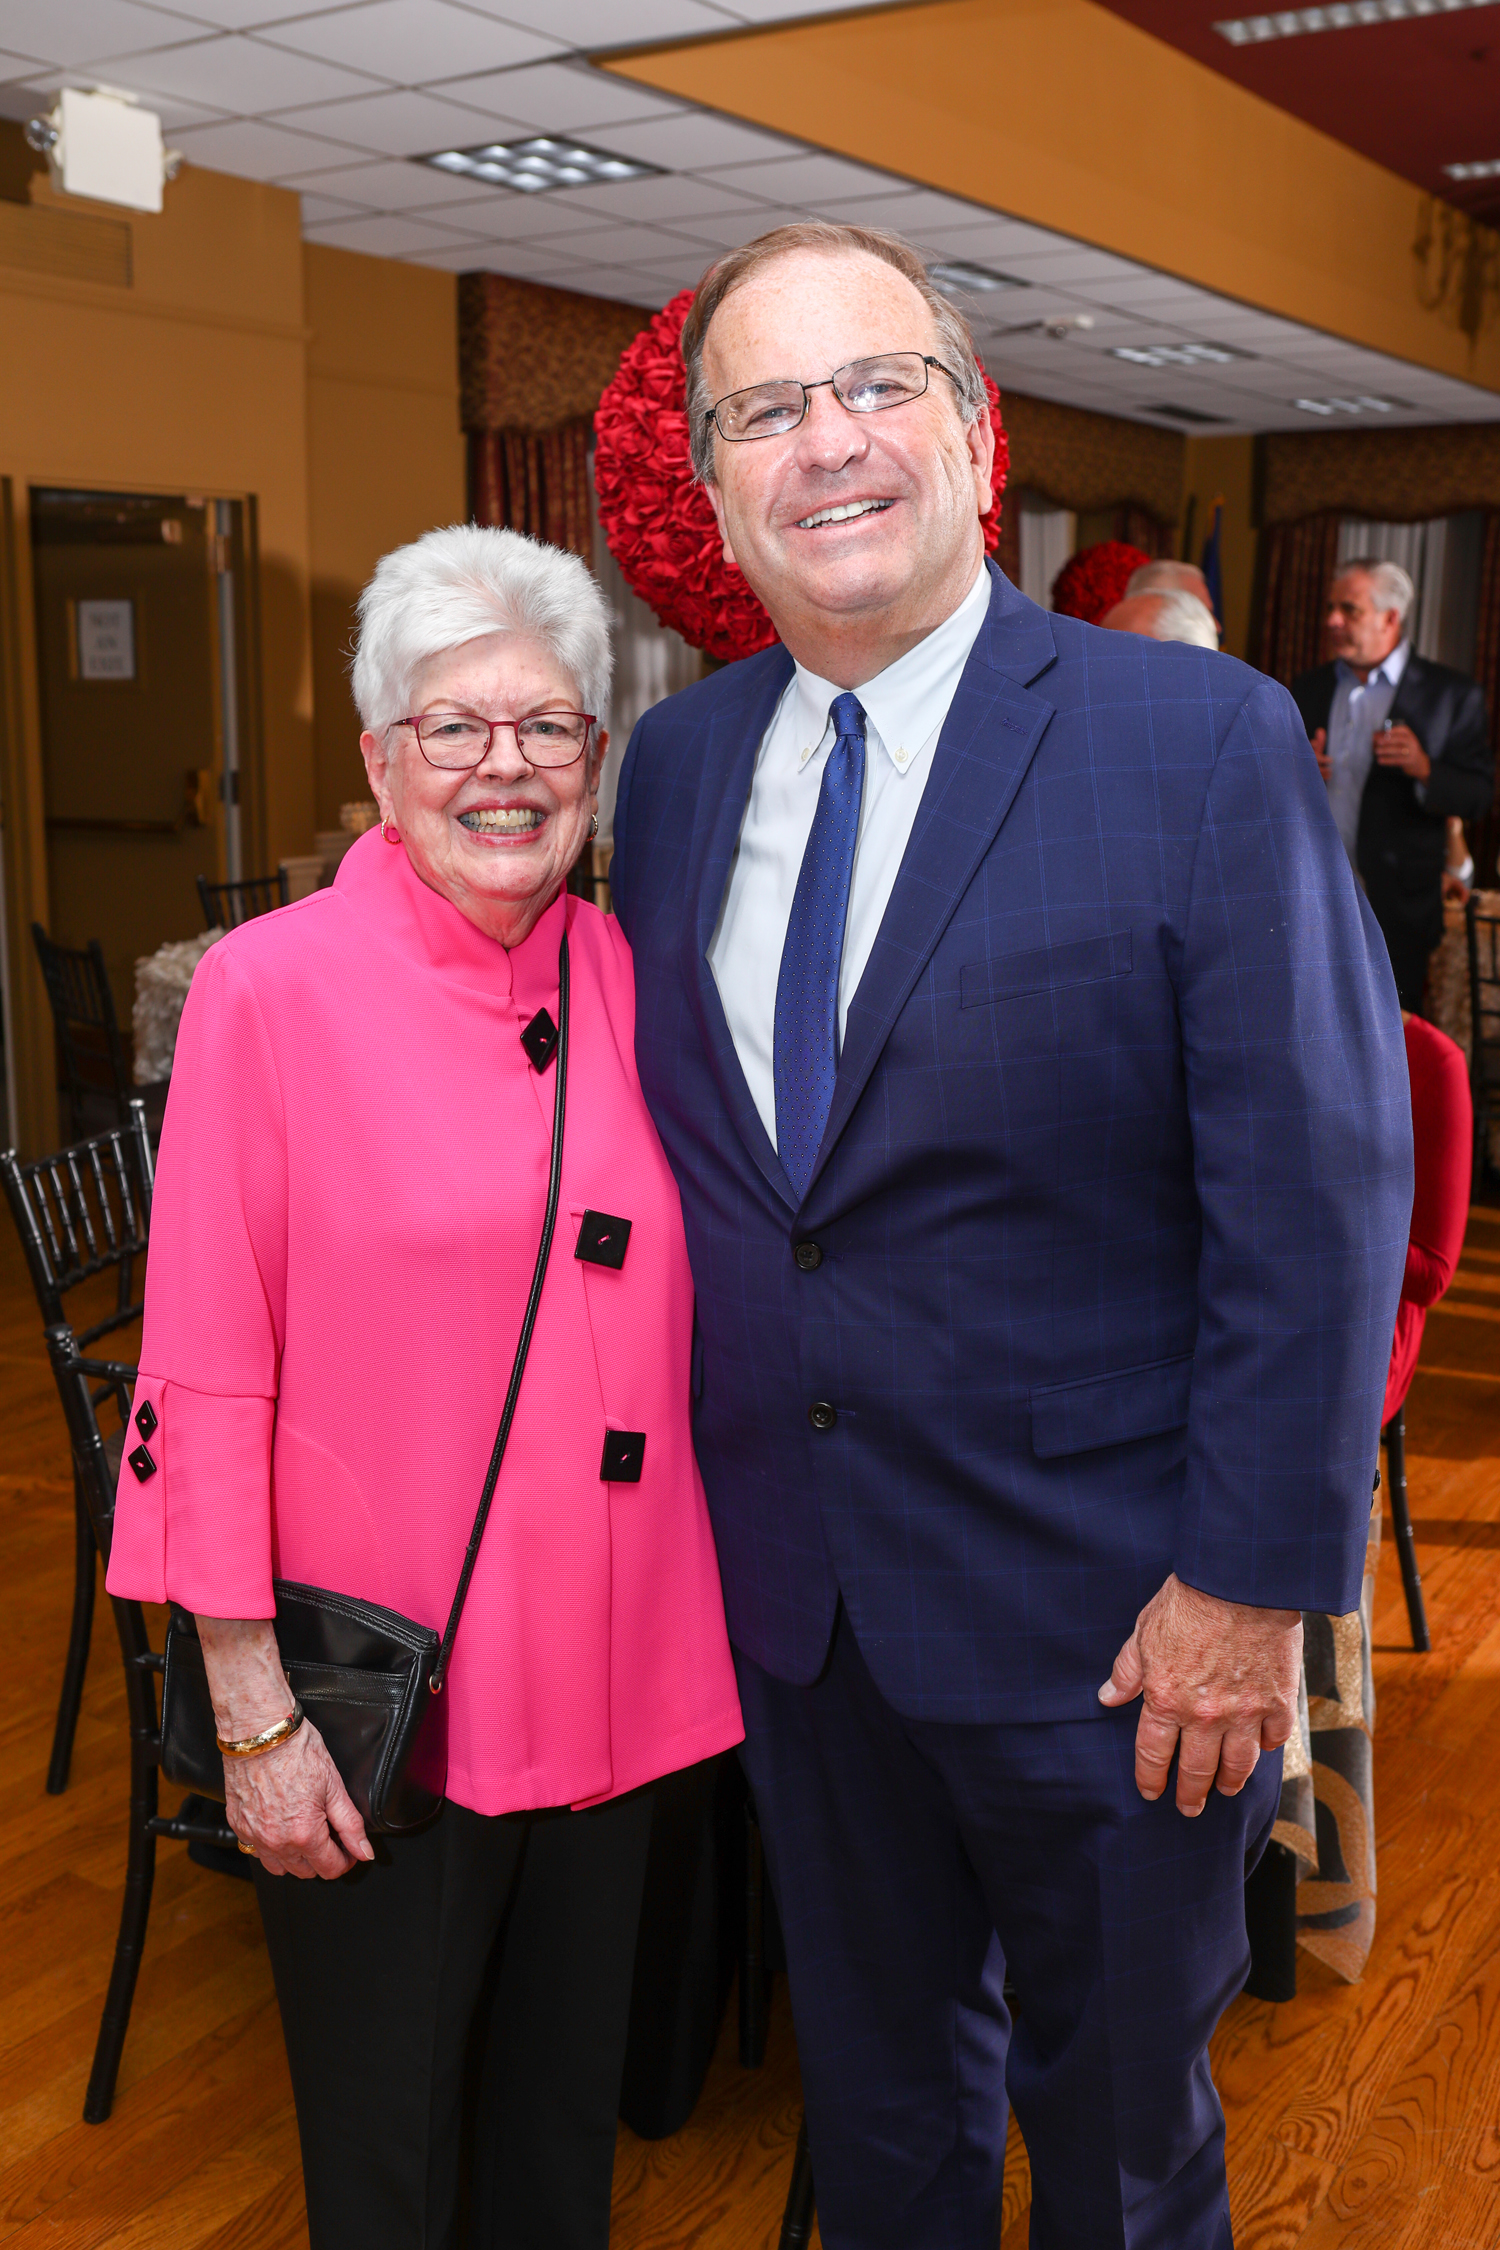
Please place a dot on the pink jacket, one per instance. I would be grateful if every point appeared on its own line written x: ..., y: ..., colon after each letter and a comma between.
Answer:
x: 352, y: 1178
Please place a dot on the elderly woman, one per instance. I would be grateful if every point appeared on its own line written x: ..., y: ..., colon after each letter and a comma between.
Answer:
x: 353, y: 1174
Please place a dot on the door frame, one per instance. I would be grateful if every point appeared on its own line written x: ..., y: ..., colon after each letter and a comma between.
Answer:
x: 30, y: 1047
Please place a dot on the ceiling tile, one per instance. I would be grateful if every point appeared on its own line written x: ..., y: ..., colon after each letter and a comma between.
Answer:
x: 606, y: 23
x: 917, y: 213
x: 318, y: 210
x: 674, y: 196
x: 803, y: 180
x: 384, y: 236
x: 174, y: 113
x: 412, y: 41
x: 398, y: 187
x: 625, y: 245
x: 730, y: 230
x: 622, y: 284
x: 527, y: 218
x: 63, y: 32
x: 518, y: 259
x: 398, y: 124
x: 561, y: 97
x: 1001, y: 239
x: 694, y: 140
x: 236, y: 74
x: 231, y: 15
x: 257, y: 151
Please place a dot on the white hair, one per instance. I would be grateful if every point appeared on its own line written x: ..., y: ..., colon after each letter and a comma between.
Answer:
x: 1389, y: 583
x: 456, y: 584
x: 1166, y: 577
x: 1182, y: 617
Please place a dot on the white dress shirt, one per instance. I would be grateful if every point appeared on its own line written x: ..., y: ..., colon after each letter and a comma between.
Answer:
x: 905, y: 706
x: 1360, y: 709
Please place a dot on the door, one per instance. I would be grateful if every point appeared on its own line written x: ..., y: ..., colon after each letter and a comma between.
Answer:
x: 137, y: 624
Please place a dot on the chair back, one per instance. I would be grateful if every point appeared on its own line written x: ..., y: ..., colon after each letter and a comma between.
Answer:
x: 85, y: 1385
x: 226, y: 905
x: 89, y: 1046
x: 83, y: 1212
x: 1482, y: 926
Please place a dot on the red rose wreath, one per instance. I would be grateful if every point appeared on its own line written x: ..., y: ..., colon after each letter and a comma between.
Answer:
x: 657, y: 518
x: 1092, y: 581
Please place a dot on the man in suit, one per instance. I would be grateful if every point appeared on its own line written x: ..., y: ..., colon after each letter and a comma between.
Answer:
x: 1402, y: 744
x: 1033, y: 1078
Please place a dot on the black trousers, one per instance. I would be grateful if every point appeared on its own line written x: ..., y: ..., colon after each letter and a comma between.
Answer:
x: 455, y: 2019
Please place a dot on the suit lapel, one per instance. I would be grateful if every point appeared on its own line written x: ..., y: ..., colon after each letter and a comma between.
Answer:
x: 988, y: 740
x: 733, y: 740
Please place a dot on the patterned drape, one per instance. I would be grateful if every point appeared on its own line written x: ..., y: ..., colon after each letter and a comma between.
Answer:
x: 539, y: 485
x: 1298, y: 560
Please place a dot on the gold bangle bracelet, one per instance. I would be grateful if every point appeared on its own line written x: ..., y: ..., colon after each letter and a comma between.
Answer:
x: 255, y: 1745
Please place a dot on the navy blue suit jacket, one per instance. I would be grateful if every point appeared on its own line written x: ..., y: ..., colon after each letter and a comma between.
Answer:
x: 1113, y: 1199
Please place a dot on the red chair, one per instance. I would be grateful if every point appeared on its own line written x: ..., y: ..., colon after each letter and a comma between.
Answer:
x: 1442, y: 1118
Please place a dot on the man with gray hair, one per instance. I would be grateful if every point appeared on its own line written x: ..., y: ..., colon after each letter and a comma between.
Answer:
x: 1168, y: 577
x: 1166, y: 614
x: 1403, y: 744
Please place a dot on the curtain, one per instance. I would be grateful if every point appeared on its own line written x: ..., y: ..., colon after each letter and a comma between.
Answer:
x: 539, y: 485
x: 1298, y: 563
x: 1485, y: 838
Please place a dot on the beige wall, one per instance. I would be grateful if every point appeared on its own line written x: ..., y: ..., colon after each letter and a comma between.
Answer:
x: 385, y: 461
x: 235, y: 364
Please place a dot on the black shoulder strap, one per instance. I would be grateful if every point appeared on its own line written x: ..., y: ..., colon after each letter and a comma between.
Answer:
x: 544, y: 1251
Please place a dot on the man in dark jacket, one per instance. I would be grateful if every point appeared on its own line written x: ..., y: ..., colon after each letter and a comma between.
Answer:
x: 1402, y: 744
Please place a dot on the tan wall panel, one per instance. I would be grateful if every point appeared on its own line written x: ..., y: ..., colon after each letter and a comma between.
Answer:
x: 1215, y: 467
x: 1059, y: 112
x: 385, y: 460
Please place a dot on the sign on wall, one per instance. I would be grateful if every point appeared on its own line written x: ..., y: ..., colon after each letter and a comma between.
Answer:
x: 105, y: 635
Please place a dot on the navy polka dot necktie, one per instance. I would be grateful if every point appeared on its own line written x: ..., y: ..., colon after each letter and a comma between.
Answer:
x: 806, y: 1046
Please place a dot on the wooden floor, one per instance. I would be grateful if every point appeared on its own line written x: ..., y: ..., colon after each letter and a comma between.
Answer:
x: 1358, y: 2115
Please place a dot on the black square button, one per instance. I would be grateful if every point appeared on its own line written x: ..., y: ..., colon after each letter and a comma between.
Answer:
x: 145, y: 1467
x: 624, y: 1452
x: 145, y: 1420
x: 540, y: 1039
x: 602, y: 1241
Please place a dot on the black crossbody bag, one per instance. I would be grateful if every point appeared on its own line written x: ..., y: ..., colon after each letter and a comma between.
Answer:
x: 369, y: 1679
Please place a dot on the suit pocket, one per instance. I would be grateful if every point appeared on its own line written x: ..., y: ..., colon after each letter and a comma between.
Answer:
x: 1045, y: 968
x: 1133, y: 1402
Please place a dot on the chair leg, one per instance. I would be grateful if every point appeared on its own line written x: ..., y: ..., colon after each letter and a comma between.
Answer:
x: 140, y: 1873
x: 71, y: 1697
x: 753, y: 2011
x: 801, y: 2206
x: 1406, y: 1544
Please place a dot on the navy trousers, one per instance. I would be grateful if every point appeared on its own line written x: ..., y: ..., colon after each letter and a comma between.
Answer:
x: 913, y: 1863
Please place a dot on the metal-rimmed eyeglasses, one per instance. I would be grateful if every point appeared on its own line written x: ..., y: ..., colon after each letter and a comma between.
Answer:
x: 457, y: 741
x: 865, y: 386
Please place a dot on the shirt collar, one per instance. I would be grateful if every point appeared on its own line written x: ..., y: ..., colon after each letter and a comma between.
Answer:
x: 904, y: 703
x: 1390, y: 670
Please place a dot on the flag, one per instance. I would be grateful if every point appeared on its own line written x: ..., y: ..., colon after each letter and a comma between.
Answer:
x: 1210, y: 565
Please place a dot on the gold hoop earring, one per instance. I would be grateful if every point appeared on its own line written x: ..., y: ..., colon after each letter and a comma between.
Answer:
x: 391, y: 837
x: 593, y: 826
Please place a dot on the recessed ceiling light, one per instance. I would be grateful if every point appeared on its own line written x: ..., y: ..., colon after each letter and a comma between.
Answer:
x: 1339, y: 15
x: 1186, y: 414
x: 956, y: 273
x: 1177, y: 355
x: 1361, y: 405
x: 531, y: 166
x: 1488, y: 170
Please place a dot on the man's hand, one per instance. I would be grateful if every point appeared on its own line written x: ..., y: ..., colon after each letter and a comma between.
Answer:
x: 1219, y: 1677
x: 1399, y: 748
x: 1320, y: 752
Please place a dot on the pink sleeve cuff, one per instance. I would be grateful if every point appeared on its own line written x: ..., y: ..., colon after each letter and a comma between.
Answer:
x: 196, y: 1527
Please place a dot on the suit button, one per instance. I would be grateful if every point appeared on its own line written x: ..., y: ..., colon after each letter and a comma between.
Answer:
x: 808, y: 1256
x: 821, y: 1415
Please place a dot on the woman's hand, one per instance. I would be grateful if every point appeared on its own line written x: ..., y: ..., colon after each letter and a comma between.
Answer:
x: 287, y: 1805
x: 293, y: 1811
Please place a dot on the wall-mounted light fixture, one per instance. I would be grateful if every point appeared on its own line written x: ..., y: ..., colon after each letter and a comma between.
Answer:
x: 102, y: 144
